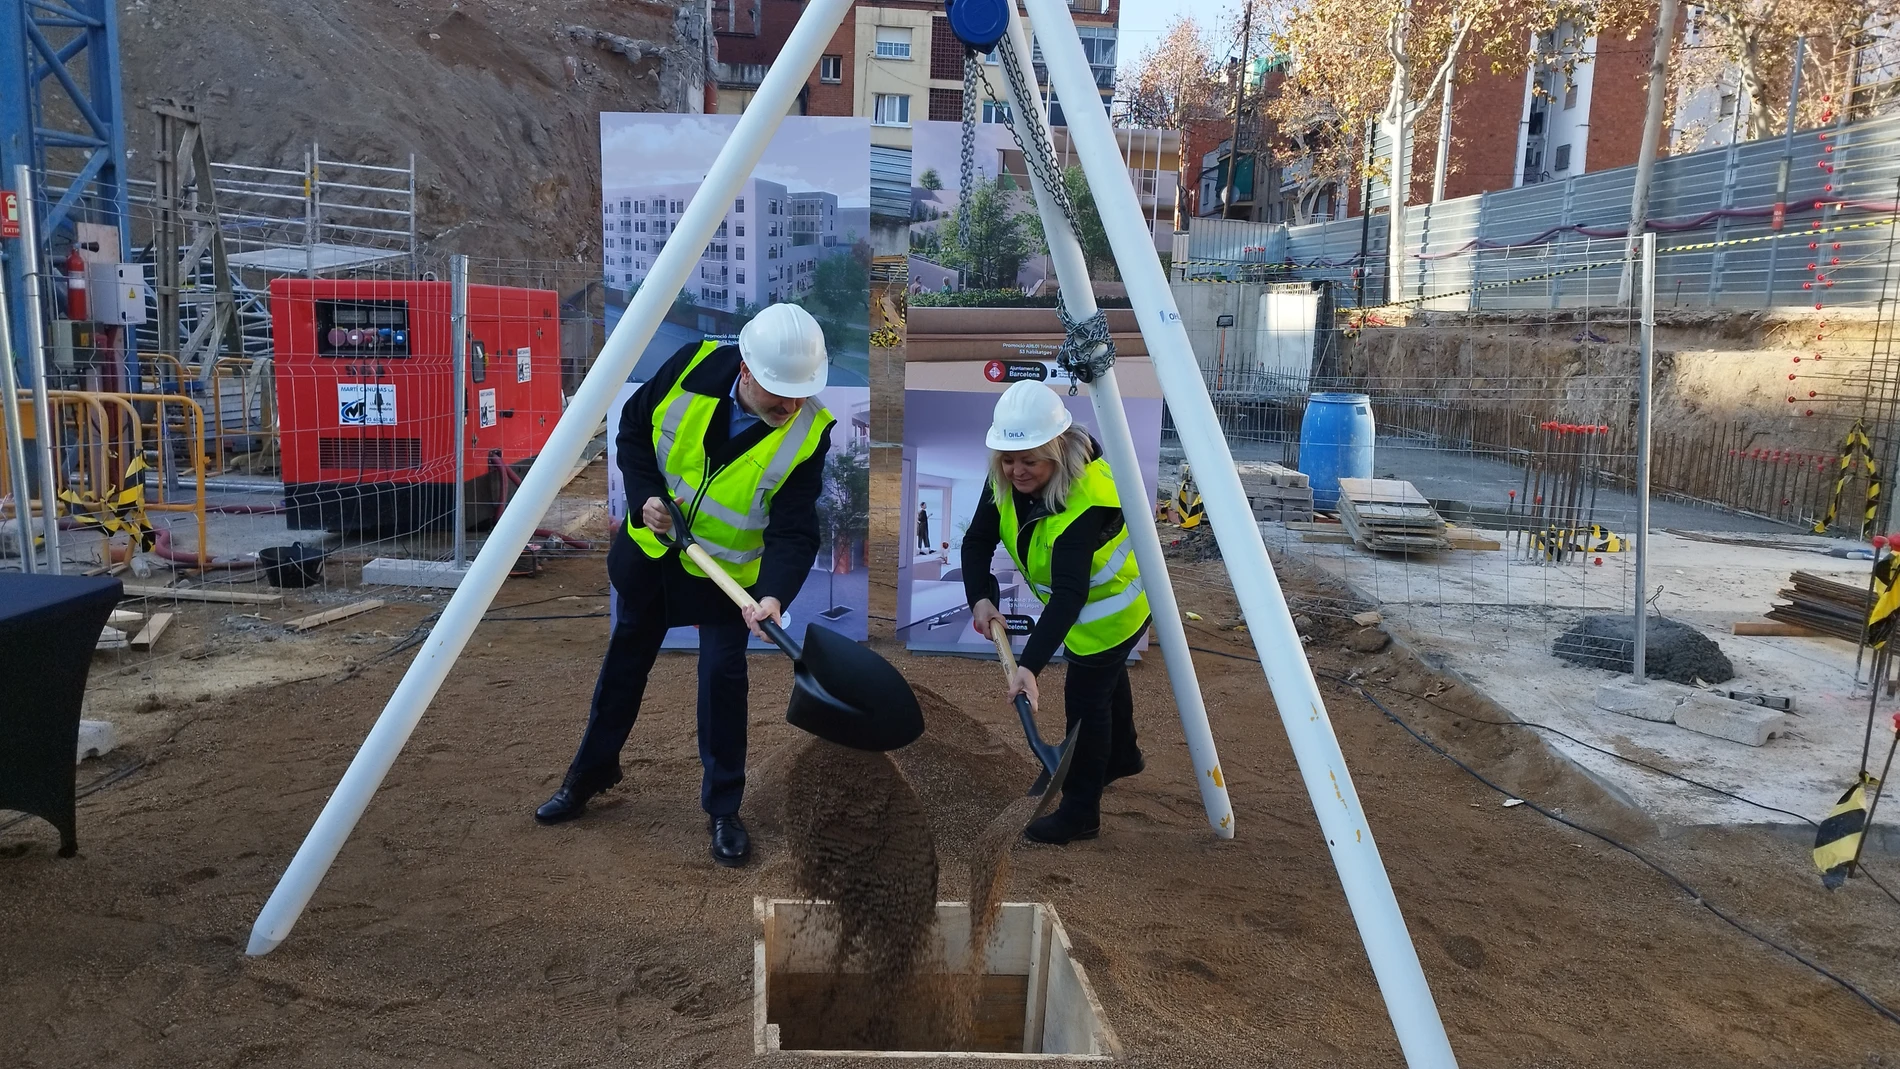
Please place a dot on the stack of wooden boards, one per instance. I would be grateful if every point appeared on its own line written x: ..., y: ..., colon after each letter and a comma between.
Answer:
x: 1390, y: 515
x: 1823, y: 606
x: 1276, y: 493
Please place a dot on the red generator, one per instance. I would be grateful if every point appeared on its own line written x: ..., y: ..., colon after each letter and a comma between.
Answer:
x: 365, y: 400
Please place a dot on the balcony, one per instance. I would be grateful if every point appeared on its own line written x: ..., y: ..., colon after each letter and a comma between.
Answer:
x: 738, y: 75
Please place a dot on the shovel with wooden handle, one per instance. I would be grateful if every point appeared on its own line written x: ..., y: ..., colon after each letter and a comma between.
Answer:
x: 842, y: 691
x: 1055, y: 760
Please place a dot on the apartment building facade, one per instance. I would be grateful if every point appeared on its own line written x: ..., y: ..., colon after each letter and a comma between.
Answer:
x: 765, y: 251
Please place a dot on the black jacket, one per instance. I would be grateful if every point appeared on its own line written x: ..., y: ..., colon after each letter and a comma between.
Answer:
x: 1069, y: 565
x: 791, y: 532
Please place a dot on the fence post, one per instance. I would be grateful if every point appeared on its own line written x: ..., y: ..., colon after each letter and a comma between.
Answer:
x: 1787, y: 165
x: 1477, y: 256
x: 16, y: 443
x: 458, y: 325
x: 1731, y: 167
x: 1645, y: 391
x: 45, y: 431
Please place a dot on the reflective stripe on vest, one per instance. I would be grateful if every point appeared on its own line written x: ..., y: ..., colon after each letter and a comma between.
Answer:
x: 728, y: 508
x: 1117, y: 604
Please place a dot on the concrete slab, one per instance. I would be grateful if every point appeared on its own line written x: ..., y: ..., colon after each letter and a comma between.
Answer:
x: 96, y: 739
x: 1490, y: 618
x: 441, y: 574
x: 1653, y: 702
x: 1714, y: 715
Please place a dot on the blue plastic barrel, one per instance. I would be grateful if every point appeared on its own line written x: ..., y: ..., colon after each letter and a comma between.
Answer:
x: 1335, y: 443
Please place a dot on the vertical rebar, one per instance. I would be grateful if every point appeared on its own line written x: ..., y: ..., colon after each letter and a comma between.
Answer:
x: 1644, y: 390
x: 458, y: 325
x: 45, y: 433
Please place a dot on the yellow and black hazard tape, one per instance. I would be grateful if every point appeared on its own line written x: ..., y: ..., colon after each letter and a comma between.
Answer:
x: 123, y: 511
x: 1837, y: 838
x: 1857, y: 444
x: 1561, y: 540
x: 1186, y: 503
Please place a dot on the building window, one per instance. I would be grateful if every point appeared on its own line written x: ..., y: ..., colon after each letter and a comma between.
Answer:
x: 739, y: 205
x: 738, y: 230
x: 626, y: 206
x: 1570, y: 95
x: 891, y: 109
x: 1561, y: 160
x: 738, y: 253
x: 741, y: 277
x: 625, y: 260
x: 946, y: 105
x: 893, y: 42
x: 995, y: 111
x: 831, y: 69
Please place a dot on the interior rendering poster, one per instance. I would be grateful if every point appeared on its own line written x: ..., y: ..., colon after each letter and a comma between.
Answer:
x: 982, y: 317
x: 796, y: 232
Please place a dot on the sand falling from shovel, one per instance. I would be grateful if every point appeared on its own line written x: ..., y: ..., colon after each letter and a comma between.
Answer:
x: 860, y: 838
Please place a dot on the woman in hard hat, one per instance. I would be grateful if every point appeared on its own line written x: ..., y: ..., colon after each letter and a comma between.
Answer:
x: 1051, y: 501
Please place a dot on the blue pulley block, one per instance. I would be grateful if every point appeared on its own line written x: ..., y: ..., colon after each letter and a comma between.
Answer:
x: 979, y: 24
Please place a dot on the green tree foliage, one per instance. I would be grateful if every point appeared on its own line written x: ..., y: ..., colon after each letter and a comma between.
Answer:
x: 844, y: 504
x: 840, y: 294
x: 930, y: 180
x: 999, y: 241
x: 1089, y: 230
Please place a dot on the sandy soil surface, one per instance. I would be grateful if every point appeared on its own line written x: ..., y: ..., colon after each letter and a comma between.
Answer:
x: 453, y: 931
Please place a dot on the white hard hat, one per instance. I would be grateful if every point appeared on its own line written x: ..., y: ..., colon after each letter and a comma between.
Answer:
x: 785, y: 348
x: 1028, y: 414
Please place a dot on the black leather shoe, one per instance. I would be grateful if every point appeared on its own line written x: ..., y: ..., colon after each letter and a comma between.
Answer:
x: 1061, y: 828
x: 730, y: 843
x: 1124, y: 769
x: 571, y: 800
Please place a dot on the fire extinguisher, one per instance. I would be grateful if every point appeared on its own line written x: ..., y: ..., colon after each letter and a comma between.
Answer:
x: 75, y: 285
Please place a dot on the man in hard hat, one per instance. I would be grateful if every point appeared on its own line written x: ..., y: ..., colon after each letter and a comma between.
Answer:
x: 1051, y: 502
x: 735, y: 434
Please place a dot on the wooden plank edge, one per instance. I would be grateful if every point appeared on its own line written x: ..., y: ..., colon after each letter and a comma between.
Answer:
x: 330, y: 616
x: 148, y: 635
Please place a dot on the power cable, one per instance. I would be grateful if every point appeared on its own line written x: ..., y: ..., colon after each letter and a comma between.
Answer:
x: 1696, y: 896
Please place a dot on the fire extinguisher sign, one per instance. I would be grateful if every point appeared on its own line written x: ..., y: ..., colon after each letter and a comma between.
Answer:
x: 366, y: 404
x: 9, y: 214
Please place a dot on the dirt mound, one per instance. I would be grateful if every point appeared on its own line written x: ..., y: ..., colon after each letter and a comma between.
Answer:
x: 497, y: 99
x: 1672, y: 651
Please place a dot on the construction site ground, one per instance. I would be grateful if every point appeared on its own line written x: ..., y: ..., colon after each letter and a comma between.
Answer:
x: 454, y: 931
x: 1490, y: 618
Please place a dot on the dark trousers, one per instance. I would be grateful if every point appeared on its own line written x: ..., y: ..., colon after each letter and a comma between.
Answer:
x: 722, y: 707
x: 1096, y: 696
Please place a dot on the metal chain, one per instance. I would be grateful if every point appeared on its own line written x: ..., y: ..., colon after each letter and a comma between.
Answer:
x: 967, y: 177
x: 1087, y: 349
x: 1042, y: 160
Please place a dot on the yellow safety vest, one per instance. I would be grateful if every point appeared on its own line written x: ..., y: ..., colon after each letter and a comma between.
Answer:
x: 1117, y: 605
x: 726, y: 507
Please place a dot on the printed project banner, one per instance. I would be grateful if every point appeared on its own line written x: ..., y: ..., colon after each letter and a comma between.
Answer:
x: 982, y: 317
x: 797, y: 232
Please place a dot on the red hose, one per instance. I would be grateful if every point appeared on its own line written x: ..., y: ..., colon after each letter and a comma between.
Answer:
x: 162, y: 548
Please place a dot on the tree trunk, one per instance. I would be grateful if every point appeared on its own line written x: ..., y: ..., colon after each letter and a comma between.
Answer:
x: 1748, y: 69
x: 1652, y: 133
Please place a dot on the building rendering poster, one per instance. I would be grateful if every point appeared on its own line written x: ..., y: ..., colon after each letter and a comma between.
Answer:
x: 796, y: 232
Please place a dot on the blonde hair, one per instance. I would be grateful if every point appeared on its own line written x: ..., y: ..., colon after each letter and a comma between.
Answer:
x: 1070, y: 450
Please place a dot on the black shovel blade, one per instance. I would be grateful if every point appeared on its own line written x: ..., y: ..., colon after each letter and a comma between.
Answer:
x: 845, y: 693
